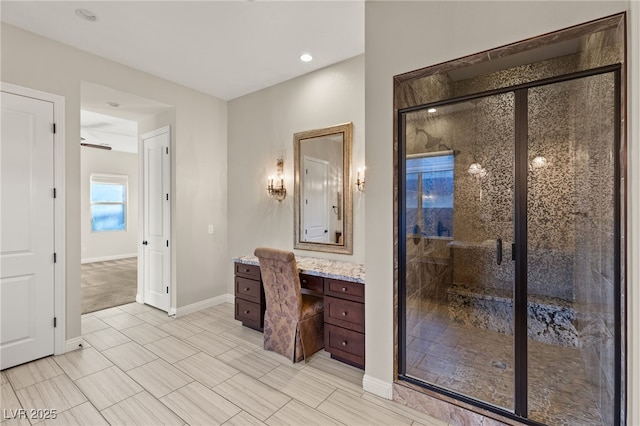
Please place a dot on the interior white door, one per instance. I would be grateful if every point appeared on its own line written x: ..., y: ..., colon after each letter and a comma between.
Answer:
x: 315, y: 216
x: 27, y: 230
x: 156, y: 219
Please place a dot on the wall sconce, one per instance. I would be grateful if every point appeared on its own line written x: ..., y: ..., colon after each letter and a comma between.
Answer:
x: 539, y: 162
x: 360, y: 182
x: 476, y: 170
x: 275, y: 187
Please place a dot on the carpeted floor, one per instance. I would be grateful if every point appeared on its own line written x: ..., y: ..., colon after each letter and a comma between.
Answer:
x: 107, y: 284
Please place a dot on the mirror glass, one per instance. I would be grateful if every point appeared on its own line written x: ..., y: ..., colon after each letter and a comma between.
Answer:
x: 322, y: 198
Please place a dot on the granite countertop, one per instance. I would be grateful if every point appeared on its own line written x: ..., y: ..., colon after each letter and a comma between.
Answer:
x: 337, y: 269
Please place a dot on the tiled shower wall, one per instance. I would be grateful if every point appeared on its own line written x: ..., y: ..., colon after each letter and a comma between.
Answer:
x: 594, y: 228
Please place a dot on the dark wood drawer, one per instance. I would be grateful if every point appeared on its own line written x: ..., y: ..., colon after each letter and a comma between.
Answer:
x: 344, y: 345
x: 344, y: 289
x: 344, y: 313
x: 312, y: 282
x: 248, y: 289
x: 247, y: 271
x: 249, y: 313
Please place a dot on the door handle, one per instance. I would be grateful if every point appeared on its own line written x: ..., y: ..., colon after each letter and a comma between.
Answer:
x: 499, y: 251
x: 145, y: 242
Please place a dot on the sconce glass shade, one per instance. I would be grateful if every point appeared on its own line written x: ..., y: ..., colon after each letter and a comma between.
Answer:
x: 476, y: 170
x: 539, y: 162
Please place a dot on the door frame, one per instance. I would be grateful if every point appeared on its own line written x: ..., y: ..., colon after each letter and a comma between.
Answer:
x: 140, y: 295
x: 60, y: 345
x: 520, y: 296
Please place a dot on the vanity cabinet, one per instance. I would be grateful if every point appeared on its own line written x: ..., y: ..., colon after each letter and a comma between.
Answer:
x: 249, y: 300
x: 344, y: 321
x: 343, y: 309
x: 312, y: 282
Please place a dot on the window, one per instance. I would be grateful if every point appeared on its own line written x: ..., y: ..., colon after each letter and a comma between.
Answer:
x: 430, y: 194
x: 108, y: 202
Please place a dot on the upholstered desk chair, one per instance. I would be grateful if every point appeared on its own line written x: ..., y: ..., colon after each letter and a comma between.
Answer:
x: 293, y: 322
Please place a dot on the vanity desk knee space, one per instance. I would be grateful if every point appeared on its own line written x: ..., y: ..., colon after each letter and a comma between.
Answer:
x: 341, y: 284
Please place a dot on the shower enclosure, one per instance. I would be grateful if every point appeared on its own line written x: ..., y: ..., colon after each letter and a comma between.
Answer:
x: 509, y: 236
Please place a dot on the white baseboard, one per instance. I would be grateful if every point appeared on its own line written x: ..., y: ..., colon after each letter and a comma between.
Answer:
x: 105, y: 258
x: 74, y: 344
x: 195, y: 307
x: 377, y: 387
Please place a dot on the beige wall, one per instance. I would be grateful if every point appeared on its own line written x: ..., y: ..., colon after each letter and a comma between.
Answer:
x: 261, y: 128
x: 405, y: 36
x: 104, y: 245
x: 199, y: 150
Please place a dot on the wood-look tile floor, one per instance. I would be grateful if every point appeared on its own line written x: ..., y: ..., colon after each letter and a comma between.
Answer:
x: 141, y: 367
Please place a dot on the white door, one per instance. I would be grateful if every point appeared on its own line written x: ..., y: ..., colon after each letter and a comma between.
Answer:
x: 26, y: 230
x: 156, y: 219
x: 315, y: 216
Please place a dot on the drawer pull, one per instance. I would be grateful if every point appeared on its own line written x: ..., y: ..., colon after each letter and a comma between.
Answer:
x: 246, y: 312
x: 344, y: 289
x: 344, y: 343
x: 304, y: 281
x: 344, y: 313
x: 247, y: 270
x: 246, y: 289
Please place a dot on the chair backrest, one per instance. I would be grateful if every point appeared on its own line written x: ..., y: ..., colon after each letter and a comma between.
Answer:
x: 281, y: 281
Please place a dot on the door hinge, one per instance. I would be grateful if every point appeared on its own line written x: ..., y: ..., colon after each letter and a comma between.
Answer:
x: 167, y: 197
x: 54, y: 193
x: 166, y: 149
x: 55, y: 322
x: 167, y: 243
x: 54, y: 127
x: 55, y: 257
x: 167, y: 290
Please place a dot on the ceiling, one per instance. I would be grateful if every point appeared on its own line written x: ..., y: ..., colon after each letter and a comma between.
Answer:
x: 110, y: 117
x: 224, y: 48
x: 105, y: 130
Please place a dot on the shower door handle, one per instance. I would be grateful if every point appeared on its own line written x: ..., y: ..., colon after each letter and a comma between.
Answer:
x: 499, y: 251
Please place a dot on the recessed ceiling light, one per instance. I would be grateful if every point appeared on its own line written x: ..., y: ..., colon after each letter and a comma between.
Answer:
x: 87, y: 15
x: 305, y: 57
x: 431, y: 110
x: 113, y: 104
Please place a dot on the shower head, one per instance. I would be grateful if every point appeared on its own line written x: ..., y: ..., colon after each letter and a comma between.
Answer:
x: 431, y: 140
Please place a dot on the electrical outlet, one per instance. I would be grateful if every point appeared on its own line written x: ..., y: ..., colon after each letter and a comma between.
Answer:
x: 211, y: 229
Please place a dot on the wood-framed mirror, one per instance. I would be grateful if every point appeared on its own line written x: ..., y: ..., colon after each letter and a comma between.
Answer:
x: 323, y: 211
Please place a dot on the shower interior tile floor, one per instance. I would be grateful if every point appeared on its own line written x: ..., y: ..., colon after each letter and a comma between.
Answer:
x: 141, y: 367
x: 479, y: 363
x: 108, y: 284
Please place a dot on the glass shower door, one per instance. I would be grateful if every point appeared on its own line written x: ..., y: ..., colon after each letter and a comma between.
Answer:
x: 458, y: 231
x: 571, y: 251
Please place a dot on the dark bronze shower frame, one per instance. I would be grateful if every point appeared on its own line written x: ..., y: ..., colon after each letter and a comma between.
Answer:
x: 520, y: 231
